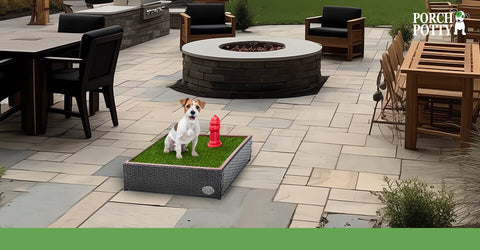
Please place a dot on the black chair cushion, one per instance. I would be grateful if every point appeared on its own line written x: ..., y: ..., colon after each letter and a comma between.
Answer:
x: 8, y: 85
x: 65, y: 75
x: 64, y: 80
x: 329, y: 32
x: 210, y: 29
x: 202, y: 14
x: 337, y: 16
x: 80, y: 23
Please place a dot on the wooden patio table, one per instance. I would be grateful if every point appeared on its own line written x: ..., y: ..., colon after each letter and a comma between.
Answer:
x: 29, y: 48
x: 440, y: 66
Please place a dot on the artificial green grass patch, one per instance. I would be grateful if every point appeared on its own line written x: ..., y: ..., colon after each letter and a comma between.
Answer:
x: 208, y: 157
x: 386, y: 12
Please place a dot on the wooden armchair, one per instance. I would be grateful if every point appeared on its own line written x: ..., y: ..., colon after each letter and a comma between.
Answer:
x: 438, y: 7
x: 342, y: 31
x: 472, y: 30
x: 203, y: 21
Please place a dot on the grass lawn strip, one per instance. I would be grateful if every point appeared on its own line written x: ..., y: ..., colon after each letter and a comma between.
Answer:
x: 208, y: 157
x: 385, y: 12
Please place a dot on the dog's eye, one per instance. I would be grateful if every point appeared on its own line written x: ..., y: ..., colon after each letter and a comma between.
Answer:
x: 188, y: 106
x: 198, y: 107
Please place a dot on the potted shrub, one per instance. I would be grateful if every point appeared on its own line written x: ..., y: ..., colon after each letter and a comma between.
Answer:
x: 413, y: 204
x: 407, y: 32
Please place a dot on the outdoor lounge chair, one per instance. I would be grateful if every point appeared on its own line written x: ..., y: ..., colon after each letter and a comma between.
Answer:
x: 97, y: 62
x: 202, y: 21
x: 8, y: 87
x: 342, y: 31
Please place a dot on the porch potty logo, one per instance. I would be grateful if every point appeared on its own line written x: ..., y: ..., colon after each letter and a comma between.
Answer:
x: 439, y: 23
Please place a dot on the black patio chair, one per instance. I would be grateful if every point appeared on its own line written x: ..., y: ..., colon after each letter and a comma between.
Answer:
x: 79, y: 23
x: 8, y: 87
x: 97, y: 62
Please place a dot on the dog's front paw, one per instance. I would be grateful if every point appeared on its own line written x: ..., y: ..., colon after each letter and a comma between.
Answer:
x: 194, y: 154
x: 179, y: 156
x: 166, y: 151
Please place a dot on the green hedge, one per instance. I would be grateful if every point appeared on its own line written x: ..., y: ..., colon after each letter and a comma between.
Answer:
x: 21, y: 6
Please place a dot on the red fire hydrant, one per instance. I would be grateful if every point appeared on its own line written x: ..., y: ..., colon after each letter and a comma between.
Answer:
x: 214, y: 132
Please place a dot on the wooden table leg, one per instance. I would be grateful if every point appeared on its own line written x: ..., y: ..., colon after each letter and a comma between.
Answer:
x: 42, y: 97
x: 411, y: 116
x: 28, y: 97
x: 34, y: 98
x: 467, y: 109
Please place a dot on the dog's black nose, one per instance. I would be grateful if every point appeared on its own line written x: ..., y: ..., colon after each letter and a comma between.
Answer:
x: 192, y: 112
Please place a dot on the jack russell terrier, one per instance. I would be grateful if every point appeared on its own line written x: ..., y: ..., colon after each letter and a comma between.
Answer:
x: 186, y: 130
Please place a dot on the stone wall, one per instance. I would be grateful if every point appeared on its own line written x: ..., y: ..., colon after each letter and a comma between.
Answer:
x: 252, y: 79
x: 137, y: 30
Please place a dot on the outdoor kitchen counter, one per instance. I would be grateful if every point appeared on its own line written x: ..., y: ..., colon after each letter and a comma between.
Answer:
x: 144, y: 21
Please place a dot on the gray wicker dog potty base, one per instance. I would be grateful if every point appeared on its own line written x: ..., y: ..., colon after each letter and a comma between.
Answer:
x: 187, y: 180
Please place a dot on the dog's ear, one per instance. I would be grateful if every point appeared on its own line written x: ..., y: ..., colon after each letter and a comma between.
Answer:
x: 453, y: 10
x: 202, y: 104
x: 184, y: 101
x: 467, y: 15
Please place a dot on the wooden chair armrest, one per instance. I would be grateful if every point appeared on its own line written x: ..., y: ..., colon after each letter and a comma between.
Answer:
x: 184, y: 16
x: 356, y: 23
x: 310, y: 20
x: 185, y: 22
x: 229, y: 17
x: 314, y: 19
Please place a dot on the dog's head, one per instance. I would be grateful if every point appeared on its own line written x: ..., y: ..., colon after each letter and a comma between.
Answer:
x: 192, y: 108
x: 460, y: 15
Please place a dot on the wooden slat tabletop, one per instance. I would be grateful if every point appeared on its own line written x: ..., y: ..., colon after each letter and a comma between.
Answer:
x: 446, y: 59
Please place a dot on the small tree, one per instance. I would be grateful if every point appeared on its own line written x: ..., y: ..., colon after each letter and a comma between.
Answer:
x: 243, y: 17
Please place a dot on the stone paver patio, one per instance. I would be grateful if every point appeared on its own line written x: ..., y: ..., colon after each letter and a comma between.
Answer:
x: 312, y: 155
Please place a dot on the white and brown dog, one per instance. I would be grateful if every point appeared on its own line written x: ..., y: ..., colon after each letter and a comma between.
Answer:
x: 186, y: 130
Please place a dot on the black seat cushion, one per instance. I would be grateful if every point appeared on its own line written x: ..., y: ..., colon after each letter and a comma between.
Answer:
x: 329, y: 32
x: 80, y: 23
x: 64, y: 80
x: 8, y: 84
x: 337, y: 16
x: 210, y: 29
x: 202, y: 14
x: 63, y: 77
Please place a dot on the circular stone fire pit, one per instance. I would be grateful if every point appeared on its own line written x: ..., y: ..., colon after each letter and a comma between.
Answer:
x: 293, y: 69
